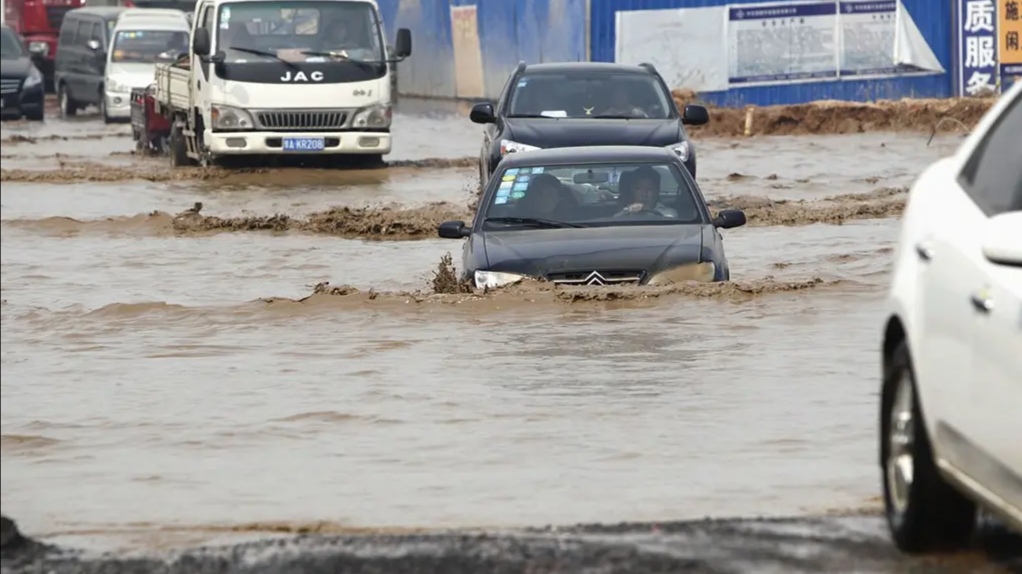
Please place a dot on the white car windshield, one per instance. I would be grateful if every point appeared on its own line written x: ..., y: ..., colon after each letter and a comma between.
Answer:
x: 143, y: 46
x: 595, y: 194
x: 306, y: 31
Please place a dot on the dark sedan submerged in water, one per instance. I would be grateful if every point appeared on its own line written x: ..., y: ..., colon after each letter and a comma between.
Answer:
x: 598, y: 215
x: 21, y: 83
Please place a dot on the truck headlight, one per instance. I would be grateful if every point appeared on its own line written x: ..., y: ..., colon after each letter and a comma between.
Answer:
x: 494, y: 279
x: 230, y: 118
x: 35, y: 77
x: 372, y: 117
x: 702, y: 272
x: 37, y: 47
x: 508, y: 146
x: 680, y: 148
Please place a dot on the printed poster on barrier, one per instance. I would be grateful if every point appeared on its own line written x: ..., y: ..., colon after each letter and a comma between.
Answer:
x: 781, y: 43
x: 868, y: 29
x: 1009, y: 34
x: 977, y: 47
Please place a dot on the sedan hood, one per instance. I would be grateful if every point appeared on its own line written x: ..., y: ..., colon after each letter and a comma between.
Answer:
x: 15, y: 67
x: 553, y: 132
x: 540, y: 252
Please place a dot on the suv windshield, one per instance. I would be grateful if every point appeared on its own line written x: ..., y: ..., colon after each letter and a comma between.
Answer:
x: 589, y: 95
x: 143, y: 46
x: 594, y: 194
x: 10, y: 48
x: 303, y: 31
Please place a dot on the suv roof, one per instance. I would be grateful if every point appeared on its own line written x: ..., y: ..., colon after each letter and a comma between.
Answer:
x: 104, y: 12
x: 599, y: 153
x: 608, y: 67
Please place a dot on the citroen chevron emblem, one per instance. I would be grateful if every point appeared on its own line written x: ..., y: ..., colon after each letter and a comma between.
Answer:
x: 595, y: 278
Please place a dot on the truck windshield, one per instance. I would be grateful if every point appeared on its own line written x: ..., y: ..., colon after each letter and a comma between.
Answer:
x: 299, y: 31
x: 143, y: 46
x: 11, y: 48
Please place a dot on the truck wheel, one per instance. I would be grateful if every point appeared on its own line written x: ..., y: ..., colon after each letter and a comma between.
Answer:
x: 178, y: 147
x: 924, y: 512
x: 68, y: 107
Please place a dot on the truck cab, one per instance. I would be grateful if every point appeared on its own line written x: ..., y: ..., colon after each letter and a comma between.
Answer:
x: 271, y: 77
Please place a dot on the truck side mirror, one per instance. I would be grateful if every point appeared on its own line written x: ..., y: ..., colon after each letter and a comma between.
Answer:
x: 403, y: 45
x: 201, y: 43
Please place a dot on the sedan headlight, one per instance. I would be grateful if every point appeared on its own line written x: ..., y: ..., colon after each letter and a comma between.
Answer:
x: 231, y: 118
x: 702, y: 272
x: 372, y: 117
x: 34, y: 78
x: 508, y: 146
x: 494, y: 279
x: 680, y: 148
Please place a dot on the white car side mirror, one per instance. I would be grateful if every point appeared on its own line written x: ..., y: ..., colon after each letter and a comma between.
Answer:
x: 1003, y: 242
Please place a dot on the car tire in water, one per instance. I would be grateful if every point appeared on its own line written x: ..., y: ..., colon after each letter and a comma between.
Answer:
x: 924, y: 512
x: 102, y: 108
x: 35, y: 116
x: 178, y: 147
x: 68, y: 107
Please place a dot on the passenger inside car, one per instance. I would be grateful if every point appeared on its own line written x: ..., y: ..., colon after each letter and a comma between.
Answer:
x: 546, y: 198
x: 621, y: 103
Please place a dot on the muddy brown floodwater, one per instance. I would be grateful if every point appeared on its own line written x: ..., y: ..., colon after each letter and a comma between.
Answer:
x: 170, y: 379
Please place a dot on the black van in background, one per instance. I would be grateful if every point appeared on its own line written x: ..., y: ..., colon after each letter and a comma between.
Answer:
x: 80, y: 63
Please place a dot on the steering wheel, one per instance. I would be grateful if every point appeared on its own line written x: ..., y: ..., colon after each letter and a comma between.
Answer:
x: 625, y: 213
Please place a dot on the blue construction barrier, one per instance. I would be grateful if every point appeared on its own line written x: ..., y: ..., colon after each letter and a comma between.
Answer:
x: 466, y: 49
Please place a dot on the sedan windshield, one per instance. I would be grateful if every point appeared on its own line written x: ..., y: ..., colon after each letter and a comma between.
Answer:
x: 143, y: 46
x: 11, y: 48
x: 589, y: 95
x: 590, y: 195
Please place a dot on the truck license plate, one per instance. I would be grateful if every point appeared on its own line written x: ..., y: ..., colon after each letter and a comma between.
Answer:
x: 304, y: 144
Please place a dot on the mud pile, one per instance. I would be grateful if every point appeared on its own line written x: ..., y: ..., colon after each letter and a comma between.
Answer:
x: 79, y: 171
x: 761, y: 211
x: 839, y: 543
x: 840, y: 117
x: 398, y: 222
x: 17, y: 139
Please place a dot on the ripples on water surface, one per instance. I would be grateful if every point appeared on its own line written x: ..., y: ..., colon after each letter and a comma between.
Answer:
x: 144, y: 381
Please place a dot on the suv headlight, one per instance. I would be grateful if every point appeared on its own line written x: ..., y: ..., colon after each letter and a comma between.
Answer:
x: 508, y: 146
x: 34, y: 77
x: 494, y: 279
x: 680, y: 148
x: 372, y: 117
x: 230, y: 118
x: 702, y: 272
x: 113, y: 86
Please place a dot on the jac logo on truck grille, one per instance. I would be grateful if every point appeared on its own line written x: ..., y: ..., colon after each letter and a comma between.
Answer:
x: 301, y: 76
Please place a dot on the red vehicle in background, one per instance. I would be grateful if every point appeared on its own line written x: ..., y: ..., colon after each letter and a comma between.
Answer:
x: 38, y: 22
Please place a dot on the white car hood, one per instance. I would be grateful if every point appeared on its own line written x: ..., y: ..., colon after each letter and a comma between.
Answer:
x: 305, y: 96
x: 133, y: 75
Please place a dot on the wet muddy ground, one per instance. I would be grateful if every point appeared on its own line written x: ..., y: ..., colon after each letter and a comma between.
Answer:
x: 282, y: 358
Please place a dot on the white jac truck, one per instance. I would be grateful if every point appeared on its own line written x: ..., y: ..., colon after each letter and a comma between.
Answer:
x: 280, y: 77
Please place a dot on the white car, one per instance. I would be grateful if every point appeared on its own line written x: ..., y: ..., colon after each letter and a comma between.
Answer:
x: 951, y: 401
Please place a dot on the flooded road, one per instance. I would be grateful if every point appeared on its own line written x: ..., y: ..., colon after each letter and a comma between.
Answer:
x: 166, y: 375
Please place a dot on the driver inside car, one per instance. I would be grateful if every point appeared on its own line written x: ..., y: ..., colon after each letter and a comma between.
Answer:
x: 621, y: 104
x: 641, y: 193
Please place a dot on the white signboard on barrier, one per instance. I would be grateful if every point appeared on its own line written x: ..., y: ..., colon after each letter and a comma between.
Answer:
x: 868, y: 30
x: 779, y: 43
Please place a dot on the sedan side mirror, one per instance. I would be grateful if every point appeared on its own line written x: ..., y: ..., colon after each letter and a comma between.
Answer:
x: 1003, y: 242
x: 729, y: 218
x: 453, y: 230
x: 695, y: 115
x: 403, y: 43
x: 482, y: 113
